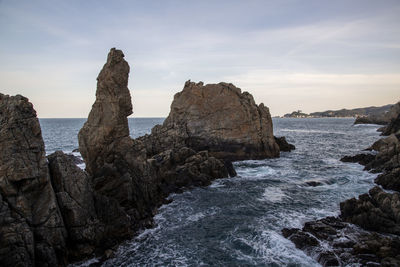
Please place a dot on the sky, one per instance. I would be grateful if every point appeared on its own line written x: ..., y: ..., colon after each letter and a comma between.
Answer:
x: 290, y: 55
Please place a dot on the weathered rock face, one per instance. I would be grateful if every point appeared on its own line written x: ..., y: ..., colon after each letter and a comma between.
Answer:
x: 218, y: 118
x: 75, y: 198
x: 31, y: 227
x: 107, y: 122
x: 122, y: 169
x: 377, y: 211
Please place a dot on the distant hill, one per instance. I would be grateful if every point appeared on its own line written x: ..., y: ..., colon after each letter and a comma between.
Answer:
x: 357, y: 112
x: 374, y: 112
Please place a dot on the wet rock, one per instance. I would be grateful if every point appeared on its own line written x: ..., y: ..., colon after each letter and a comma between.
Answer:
x: 313, y: 183
x: 390, y: 180
x: 218, y: 118
x: 344, y: 244
x: 376, y: 211
x: 31, y: 227
x: 362, y: 159
x: 283, y: 144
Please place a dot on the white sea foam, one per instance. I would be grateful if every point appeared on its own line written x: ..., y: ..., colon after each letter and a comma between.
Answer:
x: 312, y: 131
x: 273, y: 194
x: 197, y: 216
x: 217, y: 184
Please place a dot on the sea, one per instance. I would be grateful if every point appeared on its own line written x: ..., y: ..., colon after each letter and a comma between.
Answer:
x: 238, y: 221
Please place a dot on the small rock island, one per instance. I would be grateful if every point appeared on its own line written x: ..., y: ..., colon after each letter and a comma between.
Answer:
x: 53, y: 213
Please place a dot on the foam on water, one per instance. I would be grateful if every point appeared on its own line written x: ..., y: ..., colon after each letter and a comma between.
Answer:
x: 273, y: 194
x: 238, y: 221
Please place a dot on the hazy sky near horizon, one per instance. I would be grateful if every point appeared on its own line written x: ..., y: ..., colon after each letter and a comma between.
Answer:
x: 297, y: 54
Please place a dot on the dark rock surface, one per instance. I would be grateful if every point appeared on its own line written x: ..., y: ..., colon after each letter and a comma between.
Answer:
x: 31, y: 227
x: 218, y: 118
x: 283, y: 144
x: 362, y: 159
x: 377, y: 211
x: 333, y: 242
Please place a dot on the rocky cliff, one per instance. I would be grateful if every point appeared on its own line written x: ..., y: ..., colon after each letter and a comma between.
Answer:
x: 31, y: 226
x: 218, y: 118
x: 49, y: 213
x: 375, y: 240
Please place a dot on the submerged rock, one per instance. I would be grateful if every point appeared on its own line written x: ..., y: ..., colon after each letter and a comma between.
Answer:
x: 218, y: 118
x: 362, y: 159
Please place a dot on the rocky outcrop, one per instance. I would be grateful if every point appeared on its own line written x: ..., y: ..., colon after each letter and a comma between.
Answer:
x: 94, y: 222
x: 377, y: 211
x: 31, y: 227
x: 381, y: 116
x: 283, y: 144
x: 122, y: 169
x: 333, y: 242
x: 218, y: 118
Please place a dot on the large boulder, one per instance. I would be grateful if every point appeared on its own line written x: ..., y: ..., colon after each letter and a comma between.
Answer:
x: 31, y: 226
x: 218, y: 118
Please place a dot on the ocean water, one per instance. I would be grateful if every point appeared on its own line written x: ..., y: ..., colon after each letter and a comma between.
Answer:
x: 238, y: 221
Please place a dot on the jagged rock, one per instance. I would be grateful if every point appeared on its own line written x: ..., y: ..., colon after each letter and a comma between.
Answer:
x: 344, y: 244
x: 393, y: 127
x: 31, y: 227
x: 218, y: 118
x: 122, y: 168
x: 76, y: 201
x: 376, y: 211
x: 390, y: 179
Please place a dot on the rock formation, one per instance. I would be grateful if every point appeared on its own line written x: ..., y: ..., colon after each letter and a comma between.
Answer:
x: 31, y: 226
x: 218, y: 118
x: 121, y: 168
x: 53, y: 213
x: 381, y: 116
x: 336, y: 241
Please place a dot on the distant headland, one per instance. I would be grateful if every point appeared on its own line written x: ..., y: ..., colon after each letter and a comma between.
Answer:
x: 342, y: 113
